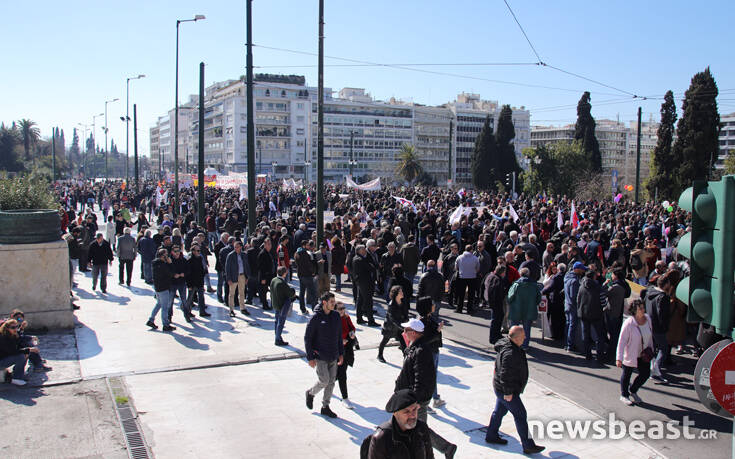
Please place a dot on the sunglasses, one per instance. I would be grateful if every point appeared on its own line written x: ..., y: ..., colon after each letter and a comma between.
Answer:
x: 12, y: 327
x: 341, y: 309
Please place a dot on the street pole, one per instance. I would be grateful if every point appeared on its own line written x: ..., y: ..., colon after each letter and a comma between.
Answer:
x: 638, y: 157
x: 94, y: 140
x: 200, y: 188
x: 107, y: 150
x: 251, y: 124
x: 352, y: 141
x: 135, y: 143
x: 514, y: 185
x: 127, y: 129
x: 320, y: 134
x: 53, y: 155
x: 176, y: 115
x: 450, y: 154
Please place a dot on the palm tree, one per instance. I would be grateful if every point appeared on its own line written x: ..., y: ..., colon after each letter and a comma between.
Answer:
x: 30, y: 134
x: 409, y: 167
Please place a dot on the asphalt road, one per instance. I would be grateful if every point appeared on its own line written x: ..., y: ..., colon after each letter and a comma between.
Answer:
x: 597, y: 388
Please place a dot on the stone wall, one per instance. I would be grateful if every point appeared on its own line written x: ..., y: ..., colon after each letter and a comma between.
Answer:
x: 35, y: 279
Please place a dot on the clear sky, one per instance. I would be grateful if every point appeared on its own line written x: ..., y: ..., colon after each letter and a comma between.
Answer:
x: 62, y: 60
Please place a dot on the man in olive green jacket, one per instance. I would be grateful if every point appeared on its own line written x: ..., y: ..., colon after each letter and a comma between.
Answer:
x: 281, y: 296
x: 524, y: 297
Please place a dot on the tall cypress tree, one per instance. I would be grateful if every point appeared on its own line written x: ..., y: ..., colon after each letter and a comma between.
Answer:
x: 584, y: 130
x: 663, y: 164
x: 696, y: 147
x: 484, y: 158
x: 506, y: 150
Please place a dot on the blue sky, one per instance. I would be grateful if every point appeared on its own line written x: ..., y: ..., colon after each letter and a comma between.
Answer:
x: 62, y: 60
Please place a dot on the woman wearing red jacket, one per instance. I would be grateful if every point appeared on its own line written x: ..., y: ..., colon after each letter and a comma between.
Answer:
x: 350, y: 343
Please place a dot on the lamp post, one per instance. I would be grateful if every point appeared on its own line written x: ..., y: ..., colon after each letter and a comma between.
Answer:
x: 106, y: 130
x: 352, y: 163
x: 84, y: 152
x: 94, y: 137
x: 307, y: 164
x: 176, y: 114
x: 127, y: 123
x: 273, y: 165
x: 352, y: 158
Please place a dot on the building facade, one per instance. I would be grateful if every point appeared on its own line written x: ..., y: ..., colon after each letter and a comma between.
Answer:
x: 726, y: 139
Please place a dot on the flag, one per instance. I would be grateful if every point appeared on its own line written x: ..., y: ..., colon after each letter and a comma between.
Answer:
x: 575, y: 218
x: 161, y: 196
x: 513, y: 213
x: 559, y: 219
x: 405, y: 203
x: 461, y: 193
x: 456, y: 215
x: 531, y: 226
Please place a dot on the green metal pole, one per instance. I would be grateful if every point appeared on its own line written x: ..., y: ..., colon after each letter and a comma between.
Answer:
x: 638, y: 157
x: 320, y: 135
x: 200, y: 190
x: 251, y: 125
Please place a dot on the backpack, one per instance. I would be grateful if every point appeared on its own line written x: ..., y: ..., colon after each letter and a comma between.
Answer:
x: 635, y: 262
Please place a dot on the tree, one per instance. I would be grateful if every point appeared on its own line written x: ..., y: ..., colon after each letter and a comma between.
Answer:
x: 408, y: 167
x: 485, y: 158
x: 663, y: 167
x: 505, y: 133
x: 9, y: 140
x: 542, y: 171
x: 730, y: 162
x: 584, y: 131
x: 30, y: 134
x: 696, y: 147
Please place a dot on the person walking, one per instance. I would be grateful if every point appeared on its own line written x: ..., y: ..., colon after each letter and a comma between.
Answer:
x: 195, y: 280
x: 590, y: 313
x: 126, y: 253
x: 418, y: 374
x: 363, y: 274
x: 179, y: 268
x: 99, y: 255
x: 281, y: 296
x: 324, y: 351
x: 404, y: 435
x: 393, y: 320
x: 571, y: 288
x: 349, y: 342
x: 433, y: 335
x: 509, y: 381
x: 658, y: 307
x: 147, y: 251
x: 237, y: 270
x: 162, y: 276
x: 431, y: 284
x: 266, y: 272
x: 468, y: 265
x: 524, y: 297
x: 306, y: 270
x: 634, y: 351
x: 494, y: 289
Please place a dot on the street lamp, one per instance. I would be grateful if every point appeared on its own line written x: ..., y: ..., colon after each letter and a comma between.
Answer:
x: 198, y: 17
x: 94, y: 137
x: 84, y: 152
x: 106, y: 130
x: 273, y: 165
x: 352, y: 163
x: 307, y: 164
x: 127, y: 123
x: 352, y: 158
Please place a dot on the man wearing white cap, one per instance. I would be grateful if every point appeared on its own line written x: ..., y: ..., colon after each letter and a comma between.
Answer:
x: 419, y: 375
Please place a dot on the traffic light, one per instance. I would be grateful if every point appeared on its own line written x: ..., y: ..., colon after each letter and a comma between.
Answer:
x: 508, y: 179
x: 710, y: 248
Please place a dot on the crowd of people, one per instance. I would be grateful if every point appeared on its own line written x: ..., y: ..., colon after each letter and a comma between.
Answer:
x: 410, y: 247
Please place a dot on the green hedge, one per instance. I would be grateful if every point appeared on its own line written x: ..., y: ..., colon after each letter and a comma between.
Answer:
x: 26, y: 192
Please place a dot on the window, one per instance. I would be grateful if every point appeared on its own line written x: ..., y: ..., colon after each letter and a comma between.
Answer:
x: 267, y: 92
x: 299, y: 131
x: 299, y: 119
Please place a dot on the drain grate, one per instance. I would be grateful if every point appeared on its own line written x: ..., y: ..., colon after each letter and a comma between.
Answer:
x: 126, y: 415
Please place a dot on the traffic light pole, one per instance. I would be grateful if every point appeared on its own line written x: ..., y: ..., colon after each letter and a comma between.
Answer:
x: 320, y: 134
x: 638, y: 157
x: 251, y: 126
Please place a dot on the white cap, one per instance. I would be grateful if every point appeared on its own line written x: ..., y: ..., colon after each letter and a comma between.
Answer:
x: 414, y: 324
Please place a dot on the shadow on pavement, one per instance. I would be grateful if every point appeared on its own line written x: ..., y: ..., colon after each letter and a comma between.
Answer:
x: 21, y: 396
x: 88, y: 345
x: 357, y: 432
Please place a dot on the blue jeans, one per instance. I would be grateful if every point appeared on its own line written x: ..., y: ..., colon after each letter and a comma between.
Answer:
x: 163, y: 304
x: 307, y: 286
x: 338, y: 277
x: 220, y: 283
x: 661, y: 345
x: 181, y: 289
x: 148, y: 271
x: 590, y: 327
x: 211, y: 239
x: 199, y: 291
x: 571, y: 328
x: 386, y: 293
x: 281, y: 318
x: 516, y: 408
x: 435, y: 396
x: 641, y: 281
x: 18, y: 362
x: 526, y: 324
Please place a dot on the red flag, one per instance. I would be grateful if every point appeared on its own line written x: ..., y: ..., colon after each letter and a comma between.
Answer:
x: 575, y: 218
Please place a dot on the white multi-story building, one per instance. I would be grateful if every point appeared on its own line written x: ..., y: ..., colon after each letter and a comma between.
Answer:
x: 432, y: 140
x: 649, y: 139
x: 726, y: 139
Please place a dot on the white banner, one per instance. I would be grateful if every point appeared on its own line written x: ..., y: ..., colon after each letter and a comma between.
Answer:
x: 373, y: 185
x: 243, y: 191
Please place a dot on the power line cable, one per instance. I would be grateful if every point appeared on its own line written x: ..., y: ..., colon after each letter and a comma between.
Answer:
x: 524, y: 33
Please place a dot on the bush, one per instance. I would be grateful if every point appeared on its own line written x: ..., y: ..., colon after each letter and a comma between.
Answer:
x: 25, y: 192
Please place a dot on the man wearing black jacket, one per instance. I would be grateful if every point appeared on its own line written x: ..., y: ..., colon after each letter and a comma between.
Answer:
x: 266, y: 272
x: 431, y: 284
x: 195, y: 280
x: 363, y: 275
x: 494, y: 293
x: 511, y: 376
x: 99, y: 255
x: 219, y: 266
x: 658, y: 306
x: 179, y: 268
x: 162, y: 285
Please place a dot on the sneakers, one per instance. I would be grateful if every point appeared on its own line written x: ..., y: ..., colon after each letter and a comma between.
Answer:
x: 626, y: 400
x: 18, y: 382
x: 636, y: 398
x: 152, y: 325
x: 439, y: 403
x: 309, y: 400
x: 346, y: 402
x: 328, y: 412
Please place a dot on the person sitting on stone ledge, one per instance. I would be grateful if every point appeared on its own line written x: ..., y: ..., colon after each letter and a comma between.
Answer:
x: 29, y: 341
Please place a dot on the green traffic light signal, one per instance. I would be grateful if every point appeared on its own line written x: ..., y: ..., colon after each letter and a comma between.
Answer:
x: 710, y: 248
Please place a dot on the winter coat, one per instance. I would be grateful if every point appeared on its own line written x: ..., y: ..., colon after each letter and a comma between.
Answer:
x: 407, y: 288
x: 524, y: 297
x: 411, y: 257
x: 126, y: 247
x: 280, y: 292
x: 393, y: 319
x: 179, y: 266
x: 431, y: 284
x: 266, y: 267
x: 147, y: 249
x: 161, y: 275
x: 494, y: 290
x: 305, y: 263
x: 99, y: 254
x: 630, y: 343
x: 617, y: 292
x: 432, y: 335
x: 386, y: 442
x: 571, y: 288
x: 195, y: 272
x: 339, y: 256
x: 589, y: 306
x: 418, y: 372
x: 511, y: 368
x: 323, y: 336
x: 659, y: 308
x: 232, y: 270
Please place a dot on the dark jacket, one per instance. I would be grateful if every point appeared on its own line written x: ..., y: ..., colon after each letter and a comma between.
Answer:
x: 432, y: 335
x: 305, y: 263
x: 393, y: 319
x: 339, y: 255
x: 195, y: 272
x: 571, y: 288
x: 161, y: 275
x: 363, y: 272
x: 390, y: 442
x: 10, y: 346
x: 147, y: 249
x: 589, y: 305
x: 387, y: 261
x: 179, y: 266
x: 431, y: 284
x: 511, y: 368
x: 232, y: 270
x: 418, y: 372
x: 430, y: 252
x: 555, y: 292
x: 219, y: 263
x: 494, y: 290
x: 280, y: 292
x: 266, y: 266
x: 100, y: 254
x: 323, y: 336
x: 658, y: 307
x: 410, y: 254
x: 407, y: 288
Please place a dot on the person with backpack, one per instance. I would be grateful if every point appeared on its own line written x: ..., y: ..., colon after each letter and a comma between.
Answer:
x: 639, y: 264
